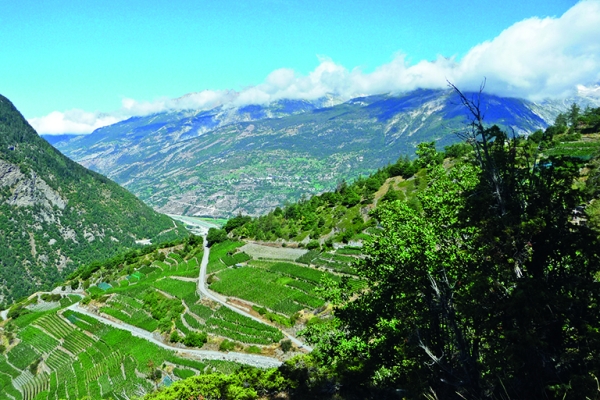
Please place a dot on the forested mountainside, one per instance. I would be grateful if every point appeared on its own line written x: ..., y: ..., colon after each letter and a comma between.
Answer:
x: 343, y: 214
x: 55, y: 215
x: 259, y: 157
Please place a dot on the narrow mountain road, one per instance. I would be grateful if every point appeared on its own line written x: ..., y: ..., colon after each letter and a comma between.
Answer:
x: 249, y: 359
x: 203, y: 291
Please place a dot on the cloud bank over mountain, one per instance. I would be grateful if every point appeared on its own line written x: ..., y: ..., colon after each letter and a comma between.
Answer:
x: 535, y: 59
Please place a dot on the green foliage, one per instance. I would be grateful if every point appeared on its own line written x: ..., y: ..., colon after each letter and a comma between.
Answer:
x: 216, y: 236
x: 308, y: 257
x: 43, y: 233
x: 390, y: 195
x: 428, y: 155
x: 244, y: 384
x: 270, y: 288
x: 174, y: 337
x: 285, y: 345
x: 458, y: 150
x: 473, y: 294
x: 236, y: 222
x: 227, y: 345
x: 313, y: 245
x: 338, y: 210
x: 160, y: 306
x: 221, y: 252
x: 183, y: 373
x: 195, y: 339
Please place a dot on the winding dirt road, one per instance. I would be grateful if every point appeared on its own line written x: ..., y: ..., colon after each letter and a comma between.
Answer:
x: 249, y: 359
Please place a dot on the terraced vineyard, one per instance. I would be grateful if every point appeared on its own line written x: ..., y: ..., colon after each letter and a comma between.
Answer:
x: 341, y: 260
x: 221, y: 256
x: 226, y: 323
x: 282, y: 287
x: 67, y: 355
x: 168, y: 281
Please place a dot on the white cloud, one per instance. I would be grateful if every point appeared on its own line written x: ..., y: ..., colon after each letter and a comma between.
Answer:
x: 72, y: 121
x: 534, y: 58
x: 538, y: 58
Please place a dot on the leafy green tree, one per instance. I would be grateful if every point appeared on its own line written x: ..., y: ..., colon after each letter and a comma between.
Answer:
x: 457, y: 150
x: 238, y: 221
x: 215, y: 236
x: 487, y: 291
x: 428, y: 155
x: 390, y: 195
x: 561, y: 120
x: 536, y: 136
x: 573, y: 115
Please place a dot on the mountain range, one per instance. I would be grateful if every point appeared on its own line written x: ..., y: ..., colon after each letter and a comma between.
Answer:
x: 250, y: 159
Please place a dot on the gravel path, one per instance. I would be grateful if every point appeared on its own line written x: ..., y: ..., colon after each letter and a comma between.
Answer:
x: 249, y: 359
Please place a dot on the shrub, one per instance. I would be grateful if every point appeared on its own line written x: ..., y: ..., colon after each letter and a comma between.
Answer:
x: 175, y: 337
x: 226, y: 345
x: 216, y: 236
x: 313, y: 244
x: 285, y: 345
x: 253, y: 350
x: 195, y: 339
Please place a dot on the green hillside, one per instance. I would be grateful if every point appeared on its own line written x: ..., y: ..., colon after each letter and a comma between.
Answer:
x: 481, y: 279
x: 451, y: 276
x: 55, y: 215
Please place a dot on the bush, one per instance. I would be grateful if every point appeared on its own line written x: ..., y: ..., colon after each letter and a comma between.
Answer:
x: 164, y: 324
x: 216, y: 236
x: 285, y: 345
x: 313, y: 244
x: 226, y: 345
x: 195, y: 339
x: 253, y: 350
x: 16, y: 311
x: 175, y: 337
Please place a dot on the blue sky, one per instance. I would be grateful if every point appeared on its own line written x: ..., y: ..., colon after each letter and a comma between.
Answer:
x: 95, y: 62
